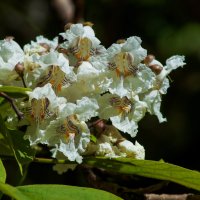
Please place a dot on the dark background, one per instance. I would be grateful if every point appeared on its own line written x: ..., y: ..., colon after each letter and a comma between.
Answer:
x: 166, y: 27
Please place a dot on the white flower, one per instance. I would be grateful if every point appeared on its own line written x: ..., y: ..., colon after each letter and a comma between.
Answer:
x: 10, y: 55
x: 153, y: 101
x: 153, y: 97
x: 43, y: 105
x: 82, y: 45
x: 123, y: 112
x: 53, y: 68
x: 111, y: 144
x: 129, y: 75
x: 41, y: 46
x: 136, y: 151
x: 172, y: 63
x: 69, y: 136
x: 90, y: 82
x: 124, y: 58
x: 69, y: 133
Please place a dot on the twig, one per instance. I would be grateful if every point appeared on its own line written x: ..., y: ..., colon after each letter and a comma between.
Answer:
x: 172, y: 197
x: 11, y: 101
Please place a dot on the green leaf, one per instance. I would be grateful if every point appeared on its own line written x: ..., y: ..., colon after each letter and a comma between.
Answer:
x: 93, y: 138
x: 62, y: 192
x: 4, y: 147
x: 2, y: 175
x: 13, y: 91
x: 12, y: 192
x: 1, y: 100
x: 53, y: 192
x: 18, y: 146
x: 148, y: 168
x: 23, y: 151
x: 2, y: 172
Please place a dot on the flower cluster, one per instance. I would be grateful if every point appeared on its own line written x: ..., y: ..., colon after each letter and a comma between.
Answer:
x: 81, y: 90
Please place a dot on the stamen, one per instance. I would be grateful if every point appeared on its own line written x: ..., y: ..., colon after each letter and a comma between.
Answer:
x: 70, y: 127
x: 56, y: 77
x: 123, y: 105
x: 39, y: 109
x: 82, y: 49
x: 123, y: 64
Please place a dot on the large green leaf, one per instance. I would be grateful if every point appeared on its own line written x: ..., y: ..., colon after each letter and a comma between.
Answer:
x: 15, y: 91
x: 2, y: 172
x: 62, y: 192
x: 148, y: 168
x: 12, y: 192
x: 18, y: 146
x: 54, y: 192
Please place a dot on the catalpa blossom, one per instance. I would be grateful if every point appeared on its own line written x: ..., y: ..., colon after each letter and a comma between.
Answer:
x: 90, y: 82
x: 129, y: 75
x: 51, y: 68
x: 123, y: 112
x: 68, y: 134
x: 110, y: 143
x: 153, y: 98
x: 82, y: 45
x: 43, y: 106
x: 78, y: 81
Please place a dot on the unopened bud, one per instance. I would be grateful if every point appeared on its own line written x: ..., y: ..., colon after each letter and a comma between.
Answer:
x: 156, y: 68
x: 9, y: 38
x: 19, y: 68
x: 121, y: 41
x: 67, y: 26
x: 88, y: 24
x: 148, y: 59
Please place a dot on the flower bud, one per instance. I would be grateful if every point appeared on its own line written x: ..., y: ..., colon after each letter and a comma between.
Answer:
x: 67, y: 26
x: 148, y: 59
x: 19, y: 68
x: 121, y: 41
x: 156, y: 68
x: 9, y: 38
x: 88, y: 24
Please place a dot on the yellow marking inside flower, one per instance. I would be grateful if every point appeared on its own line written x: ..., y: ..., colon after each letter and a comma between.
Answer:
x: 123, y: 64
x: 39, y: 108
x: 56, y: 77
x: 71, y: 127
x: 83, y: 48
x: 123, y: 105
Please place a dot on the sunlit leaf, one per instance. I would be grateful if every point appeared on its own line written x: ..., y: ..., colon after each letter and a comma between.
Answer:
x: 61, y: 192
x: 12, y: 192
x: 151, y: 169
x: 13, y: 91
x: 53, y: 192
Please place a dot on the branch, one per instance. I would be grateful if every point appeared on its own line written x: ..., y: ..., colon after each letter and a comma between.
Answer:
x: 11, y: 101
x: 171, y: 196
